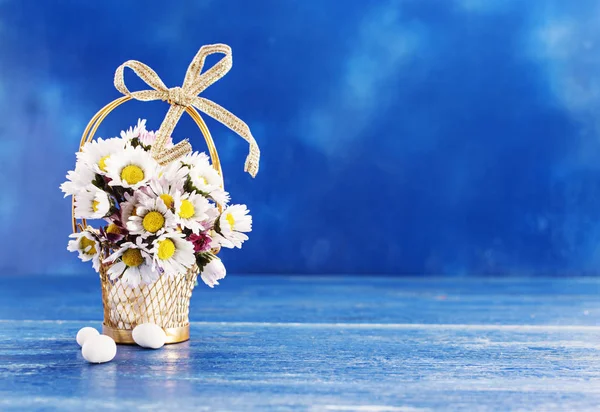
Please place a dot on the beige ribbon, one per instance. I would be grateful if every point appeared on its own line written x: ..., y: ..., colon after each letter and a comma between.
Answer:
x: 185, y: 96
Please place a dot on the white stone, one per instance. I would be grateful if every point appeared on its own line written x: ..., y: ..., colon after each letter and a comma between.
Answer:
x: 149, y: 335
x: 85, y: 333
x: 99, y: 349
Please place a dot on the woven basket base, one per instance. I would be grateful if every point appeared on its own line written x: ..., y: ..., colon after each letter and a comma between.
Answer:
x: 123, y: 336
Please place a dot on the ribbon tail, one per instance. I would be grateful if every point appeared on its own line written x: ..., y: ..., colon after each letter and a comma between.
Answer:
x: 234, y: 123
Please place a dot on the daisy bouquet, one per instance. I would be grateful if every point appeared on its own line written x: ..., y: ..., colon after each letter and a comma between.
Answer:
x: 158, y: 220
x: 162, y: 208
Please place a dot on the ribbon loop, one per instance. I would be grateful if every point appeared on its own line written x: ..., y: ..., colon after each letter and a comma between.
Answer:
x: 145, y: 73
x: 179, y: 98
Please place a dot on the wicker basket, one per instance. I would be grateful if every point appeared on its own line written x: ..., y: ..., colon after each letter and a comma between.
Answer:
x: 165, y: 302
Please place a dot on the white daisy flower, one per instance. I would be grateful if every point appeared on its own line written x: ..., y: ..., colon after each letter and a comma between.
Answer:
x: 152, y: 218
x: 134, y: 131
x: 92, y: 203
x: 78, y: 179
x: 173, y: 253
x: 88, y: 247
x: 190, y: 210
x: 204, y: 177
x: 213, y: 272
x: 233, y: 223
x: 166, y: 189
x: 132, y: 263
x: 132, y: 167
x: 220, y: 196
x: 174, y: 173
x: 97, y: 152
x: 196, y: 159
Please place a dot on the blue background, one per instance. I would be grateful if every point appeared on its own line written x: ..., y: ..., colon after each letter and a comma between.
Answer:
x: 450, y: 137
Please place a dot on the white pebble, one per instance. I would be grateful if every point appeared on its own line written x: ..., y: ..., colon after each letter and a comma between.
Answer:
x: 85, y: 333
x: 99, y: 349
x: 149, y: 335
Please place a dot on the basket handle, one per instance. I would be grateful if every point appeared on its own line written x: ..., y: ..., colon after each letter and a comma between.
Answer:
x: 92, y: 127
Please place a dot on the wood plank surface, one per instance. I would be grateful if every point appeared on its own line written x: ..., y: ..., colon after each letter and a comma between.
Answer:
x: 316, y: 343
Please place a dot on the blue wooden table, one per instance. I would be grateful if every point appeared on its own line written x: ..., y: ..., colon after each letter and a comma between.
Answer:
x: 316, y: 343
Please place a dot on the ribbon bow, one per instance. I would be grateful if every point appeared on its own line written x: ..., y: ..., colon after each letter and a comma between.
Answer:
x: 185, y: 96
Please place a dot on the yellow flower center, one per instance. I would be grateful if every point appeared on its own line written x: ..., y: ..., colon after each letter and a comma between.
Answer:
x: 168, y: 199
x: 186, y: 210
x: 102, y: 163
x: 132, y: 257
x: 230, y: 219
x: 113, y: 229
x: 166, y: 249
x: 84, y: 243
x: 132, y: 174
x: 95, y: 204
x: 153, y: 221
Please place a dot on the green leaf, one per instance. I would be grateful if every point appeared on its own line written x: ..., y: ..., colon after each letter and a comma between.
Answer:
x: 135, y: 142
x: 99, y: 182
x: 202, y: 259
x: 217, y: 226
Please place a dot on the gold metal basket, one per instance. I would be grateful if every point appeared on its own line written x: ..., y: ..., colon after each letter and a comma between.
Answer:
x: 165, y: 302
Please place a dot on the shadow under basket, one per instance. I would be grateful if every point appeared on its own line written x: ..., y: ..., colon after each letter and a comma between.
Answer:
x: 165, y: 303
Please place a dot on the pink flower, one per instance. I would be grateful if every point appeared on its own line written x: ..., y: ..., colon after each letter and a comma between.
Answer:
x: 200, y: 241
x: 147, y: 138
